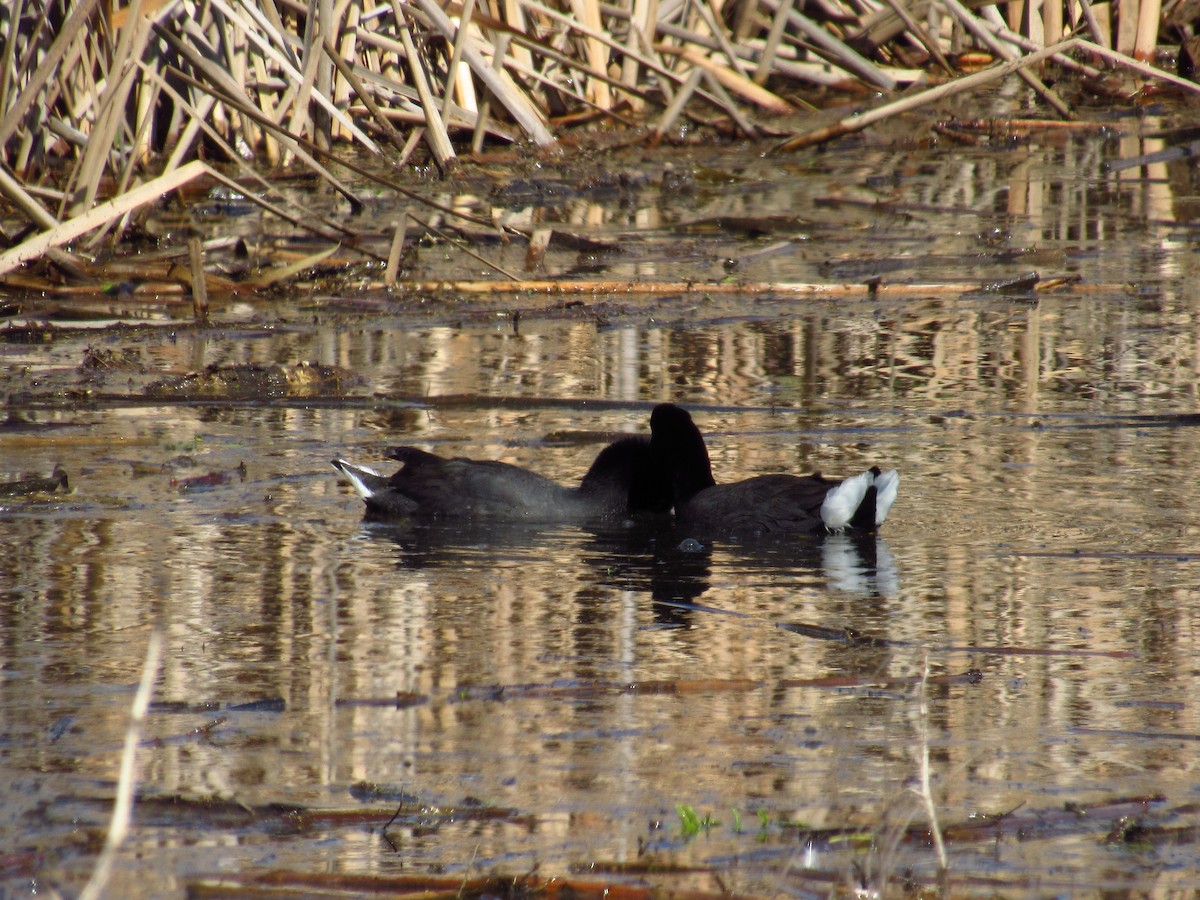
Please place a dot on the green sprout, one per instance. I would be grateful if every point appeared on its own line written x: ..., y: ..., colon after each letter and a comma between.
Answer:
x: 691, y: 824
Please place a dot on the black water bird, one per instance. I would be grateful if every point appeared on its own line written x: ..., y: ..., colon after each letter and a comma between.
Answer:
x: 620, y: 483
x: 776, y: 505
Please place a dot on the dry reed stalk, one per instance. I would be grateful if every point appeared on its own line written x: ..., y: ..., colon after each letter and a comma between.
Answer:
x: 639, y: 39
x: 62, y: 233
x: 588, y: 34
x: 1138, y: 66
x: 514, y: 18
x: 277, y: 77
x: 552, y: 290
x: 927, y: 40
x: 66, y: 39
x: 280, y: 59
x: 551, y: 54
x: 715, y: 27
x: 25, y: 202
x: 726, y: 103
x: 110, y: 109
x: 728, y: 78
x: 824, y: 73
x: 969, y: 22
x: 318, y: 77
x: 458, y: 80
x: 347, y: 21
x: 766, y: 60
x: 502, y: 87
x: 1149, y: 18
x: 435, y: 130
x: 1128, y: 14
x: 855, y: 123
x: 388, y: 89
x: 397, y: 248
x: 295, y: 144
x: 577, y: 96
x: 682, y: 97
x: 280, y: 274
x: 359, y: 89
x: 587, y: 12
x: 499, y: 52
x: 995, y: 23
x: 924, y: 790
x: 834, y: 50
x: 410, y: 146
x: 1100, y: 34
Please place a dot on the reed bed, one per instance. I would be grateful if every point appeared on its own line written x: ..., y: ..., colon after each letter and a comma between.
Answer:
x: 105, y: 109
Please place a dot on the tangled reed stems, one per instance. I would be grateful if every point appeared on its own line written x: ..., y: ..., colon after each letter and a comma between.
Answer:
x: 103, y: 109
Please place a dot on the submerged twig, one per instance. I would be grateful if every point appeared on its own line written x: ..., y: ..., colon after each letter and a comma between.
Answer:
x: 926, y: 791
x: 123, y: 807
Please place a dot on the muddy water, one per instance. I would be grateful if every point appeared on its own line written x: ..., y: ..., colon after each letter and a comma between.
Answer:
x: 562, y: 698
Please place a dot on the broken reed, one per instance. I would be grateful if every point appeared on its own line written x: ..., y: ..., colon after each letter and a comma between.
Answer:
x: 91, y: 93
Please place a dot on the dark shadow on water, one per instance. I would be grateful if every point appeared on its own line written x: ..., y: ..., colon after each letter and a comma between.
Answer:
x: 649, y: 557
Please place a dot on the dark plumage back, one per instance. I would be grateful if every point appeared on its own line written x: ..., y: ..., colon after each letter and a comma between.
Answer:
x: 679, y: 452
x: 628, y: 468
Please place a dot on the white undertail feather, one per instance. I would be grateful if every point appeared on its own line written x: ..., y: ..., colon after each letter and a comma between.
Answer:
x: 843, y: 501
x: 887, y: 485
x: 355, y: 473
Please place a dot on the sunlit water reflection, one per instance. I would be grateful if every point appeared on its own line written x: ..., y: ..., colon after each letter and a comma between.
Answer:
x: 566, y: 690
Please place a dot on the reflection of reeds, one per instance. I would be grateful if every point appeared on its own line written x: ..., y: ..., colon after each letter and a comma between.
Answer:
x: 91, y: 94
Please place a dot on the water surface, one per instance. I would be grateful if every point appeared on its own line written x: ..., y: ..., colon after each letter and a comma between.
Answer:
x: 560, y: 699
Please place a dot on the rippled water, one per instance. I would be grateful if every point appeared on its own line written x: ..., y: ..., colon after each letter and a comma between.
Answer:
x: 551, y: 698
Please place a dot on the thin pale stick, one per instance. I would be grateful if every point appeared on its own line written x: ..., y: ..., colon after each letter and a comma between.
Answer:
x: 717, y: 30
x: 927, y: 41
x: 99, y: 214
x: 467, y: 250
x: 973, y: 25
x: 926, y: 790
x: 728, y: 78
x: 460, y: 41
x: 63, y: 41
x: 1093, y: 25
x: 680, y: 100
x: 1137, y: 65
x: 397, y: 248
x: 126, y: 781
x: 499, y: 51
x: 502, y: 88
x: 266, y: 48
x: 364, y: 95
x: 766, y: 59
x: 834, y: 50
x: 852, y: 124
x: 716, y: 84
x: 439, y: 140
